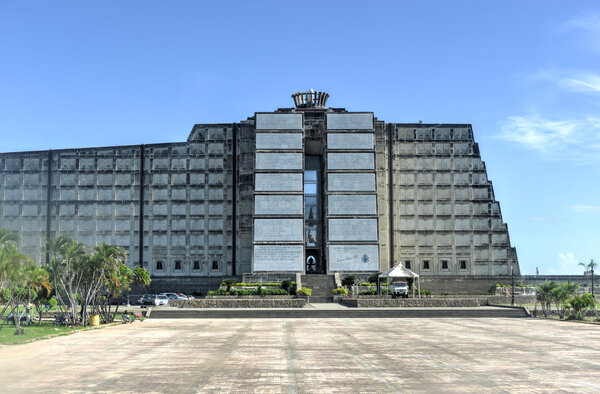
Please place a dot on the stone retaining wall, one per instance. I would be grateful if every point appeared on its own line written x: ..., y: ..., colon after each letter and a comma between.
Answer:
x: 519, y: 299
x: 410, y: 303
x: 249, y: 297
x: 240, y: 303
x: 373, y: 301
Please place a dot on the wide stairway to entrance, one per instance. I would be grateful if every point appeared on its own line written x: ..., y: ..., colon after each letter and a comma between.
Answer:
x: 321, y: 286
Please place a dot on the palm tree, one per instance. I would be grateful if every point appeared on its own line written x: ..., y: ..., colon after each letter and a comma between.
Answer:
x: 104, y: 270
x: 10, y: 261
x: 544, y: 296
x: 8, y: 250
x: 590, y: 267
x: 35, y: 279
x: 561, y: 295
x: 13, y: 275
x: 64, y: 270
x: 7, y: 236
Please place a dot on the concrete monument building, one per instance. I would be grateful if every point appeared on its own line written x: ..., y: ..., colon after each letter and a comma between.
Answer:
x: 308, y: 189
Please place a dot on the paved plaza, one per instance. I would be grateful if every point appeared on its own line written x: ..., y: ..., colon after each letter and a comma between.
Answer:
x: 311, y: 355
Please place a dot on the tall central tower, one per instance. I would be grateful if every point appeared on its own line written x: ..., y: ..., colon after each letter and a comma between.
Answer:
x: 315, y: 208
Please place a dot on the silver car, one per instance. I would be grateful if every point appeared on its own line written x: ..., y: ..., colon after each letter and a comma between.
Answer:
x: 162, y: 299
x: 153, y: 299
x: 173, y: 296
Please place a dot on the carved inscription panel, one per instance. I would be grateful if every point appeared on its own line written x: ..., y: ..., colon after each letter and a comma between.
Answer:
x: 353, y: 258
x: 355, y: 121
x: 278, y: 121
x: 278, y: 258
x: 278, y: 183
x: 291, y: 230
x: 350, y: 141
x: 358, y: 182
x: 350, y: 161
x: 279, y: 161
x: 351, y: 204
x: 352, y: 229
x: 279, y: 141
x: 278, y: 205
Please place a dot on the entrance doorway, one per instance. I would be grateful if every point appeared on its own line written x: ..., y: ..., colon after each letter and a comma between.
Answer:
x: 313, y: 262
x: 313, y: 225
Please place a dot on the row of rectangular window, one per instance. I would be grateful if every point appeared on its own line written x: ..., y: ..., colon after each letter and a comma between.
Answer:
x: 433, y: 134
x: 444, y: 264
x: 178, y: 265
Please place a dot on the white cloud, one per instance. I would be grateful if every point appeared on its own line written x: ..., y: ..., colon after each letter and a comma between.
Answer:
x: 571, y: 81
x: 585, y: 208
x: 567, y: 263
x: 586, y: 82
x: 577, y: 140
x: 588, y: 28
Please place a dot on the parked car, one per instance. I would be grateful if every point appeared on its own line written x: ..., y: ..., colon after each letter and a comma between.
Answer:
x: 174, y: 296
x: 400, y: 289
x: 162, y: 300
x: 120, y: 300
x: 154, y: 299
x: 189, y: 297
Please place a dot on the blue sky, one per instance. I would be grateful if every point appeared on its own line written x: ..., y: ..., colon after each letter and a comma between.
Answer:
x: 525, y: 74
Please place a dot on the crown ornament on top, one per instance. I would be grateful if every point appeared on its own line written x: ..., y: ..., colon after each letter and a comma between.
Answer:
x: 310, y: 99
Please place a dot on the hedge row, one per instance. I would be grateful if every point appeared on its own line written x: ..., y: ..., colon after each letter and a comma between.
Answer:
x: 242, y: 292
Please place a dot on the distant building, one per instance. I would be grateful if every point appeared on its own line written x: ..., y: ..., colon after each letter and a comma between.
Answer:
x: 308, y: 189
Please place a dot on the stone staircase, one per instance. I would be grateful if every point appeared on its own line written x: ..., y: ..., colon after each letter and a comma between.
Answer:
x: 321, y: 286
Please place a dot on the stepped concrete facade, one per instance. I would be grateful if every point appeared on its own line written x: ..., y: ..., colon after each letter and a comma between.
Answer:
x: 308, y: 190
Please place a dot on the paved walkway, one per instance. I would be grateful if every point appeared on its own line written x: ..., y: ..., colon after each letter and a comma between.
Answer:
x: 311, y: 355
x: 330, y: 306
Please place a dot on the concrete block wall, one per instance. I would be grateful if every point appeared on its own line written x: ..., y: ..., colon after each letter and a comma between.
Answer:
x: 95, y: 193
x: 446, y: 219
x: 436, y: 206
x: 23, y: 191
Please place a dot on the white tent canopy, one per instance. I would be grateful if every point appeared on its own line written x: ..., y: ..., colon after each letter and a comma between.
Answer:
x: 400, y: 271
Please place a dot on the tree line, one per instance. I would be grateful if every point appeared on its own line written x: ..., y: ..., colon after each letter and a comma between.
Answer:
x: 78, y: 280
x: 564, y: 296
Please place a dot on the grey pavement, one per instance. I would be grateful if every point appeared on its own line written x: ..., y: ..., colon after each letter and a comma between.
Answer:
x: 311, y: 356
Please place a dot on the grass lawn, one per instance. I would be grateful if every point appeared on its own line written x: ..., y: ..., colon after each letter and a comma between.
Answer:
x: 32, y: 332
x: 35, y: 332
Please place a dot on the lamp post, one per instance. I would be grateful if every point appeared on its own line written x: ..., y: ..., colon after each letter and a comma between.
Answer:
x: 592, y: 264
x: 512, y: 285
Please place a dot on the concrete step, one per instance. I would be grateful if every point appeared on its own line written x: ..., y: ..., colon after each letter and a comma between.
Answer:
x: 184, y: 313
x: 321, y: 286
x: 320, y: 299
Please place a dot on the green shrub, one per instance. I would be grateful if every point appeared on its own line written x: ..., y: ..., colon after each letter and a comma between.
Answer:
x: 304, y: 291
x: 274, y: 292
x: 348, y: 280
x: 248, y: 292
x: 52, y: 303
x: 374, y: 277
x: 580, y: 304
x: 425, y: 292
x: 340, y: 290
x: 242, y: 284
x: 4, y: 295
x: 286, y: 284
x: 217, y: 292
x: 242, y: 292
x: 373, y: 291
